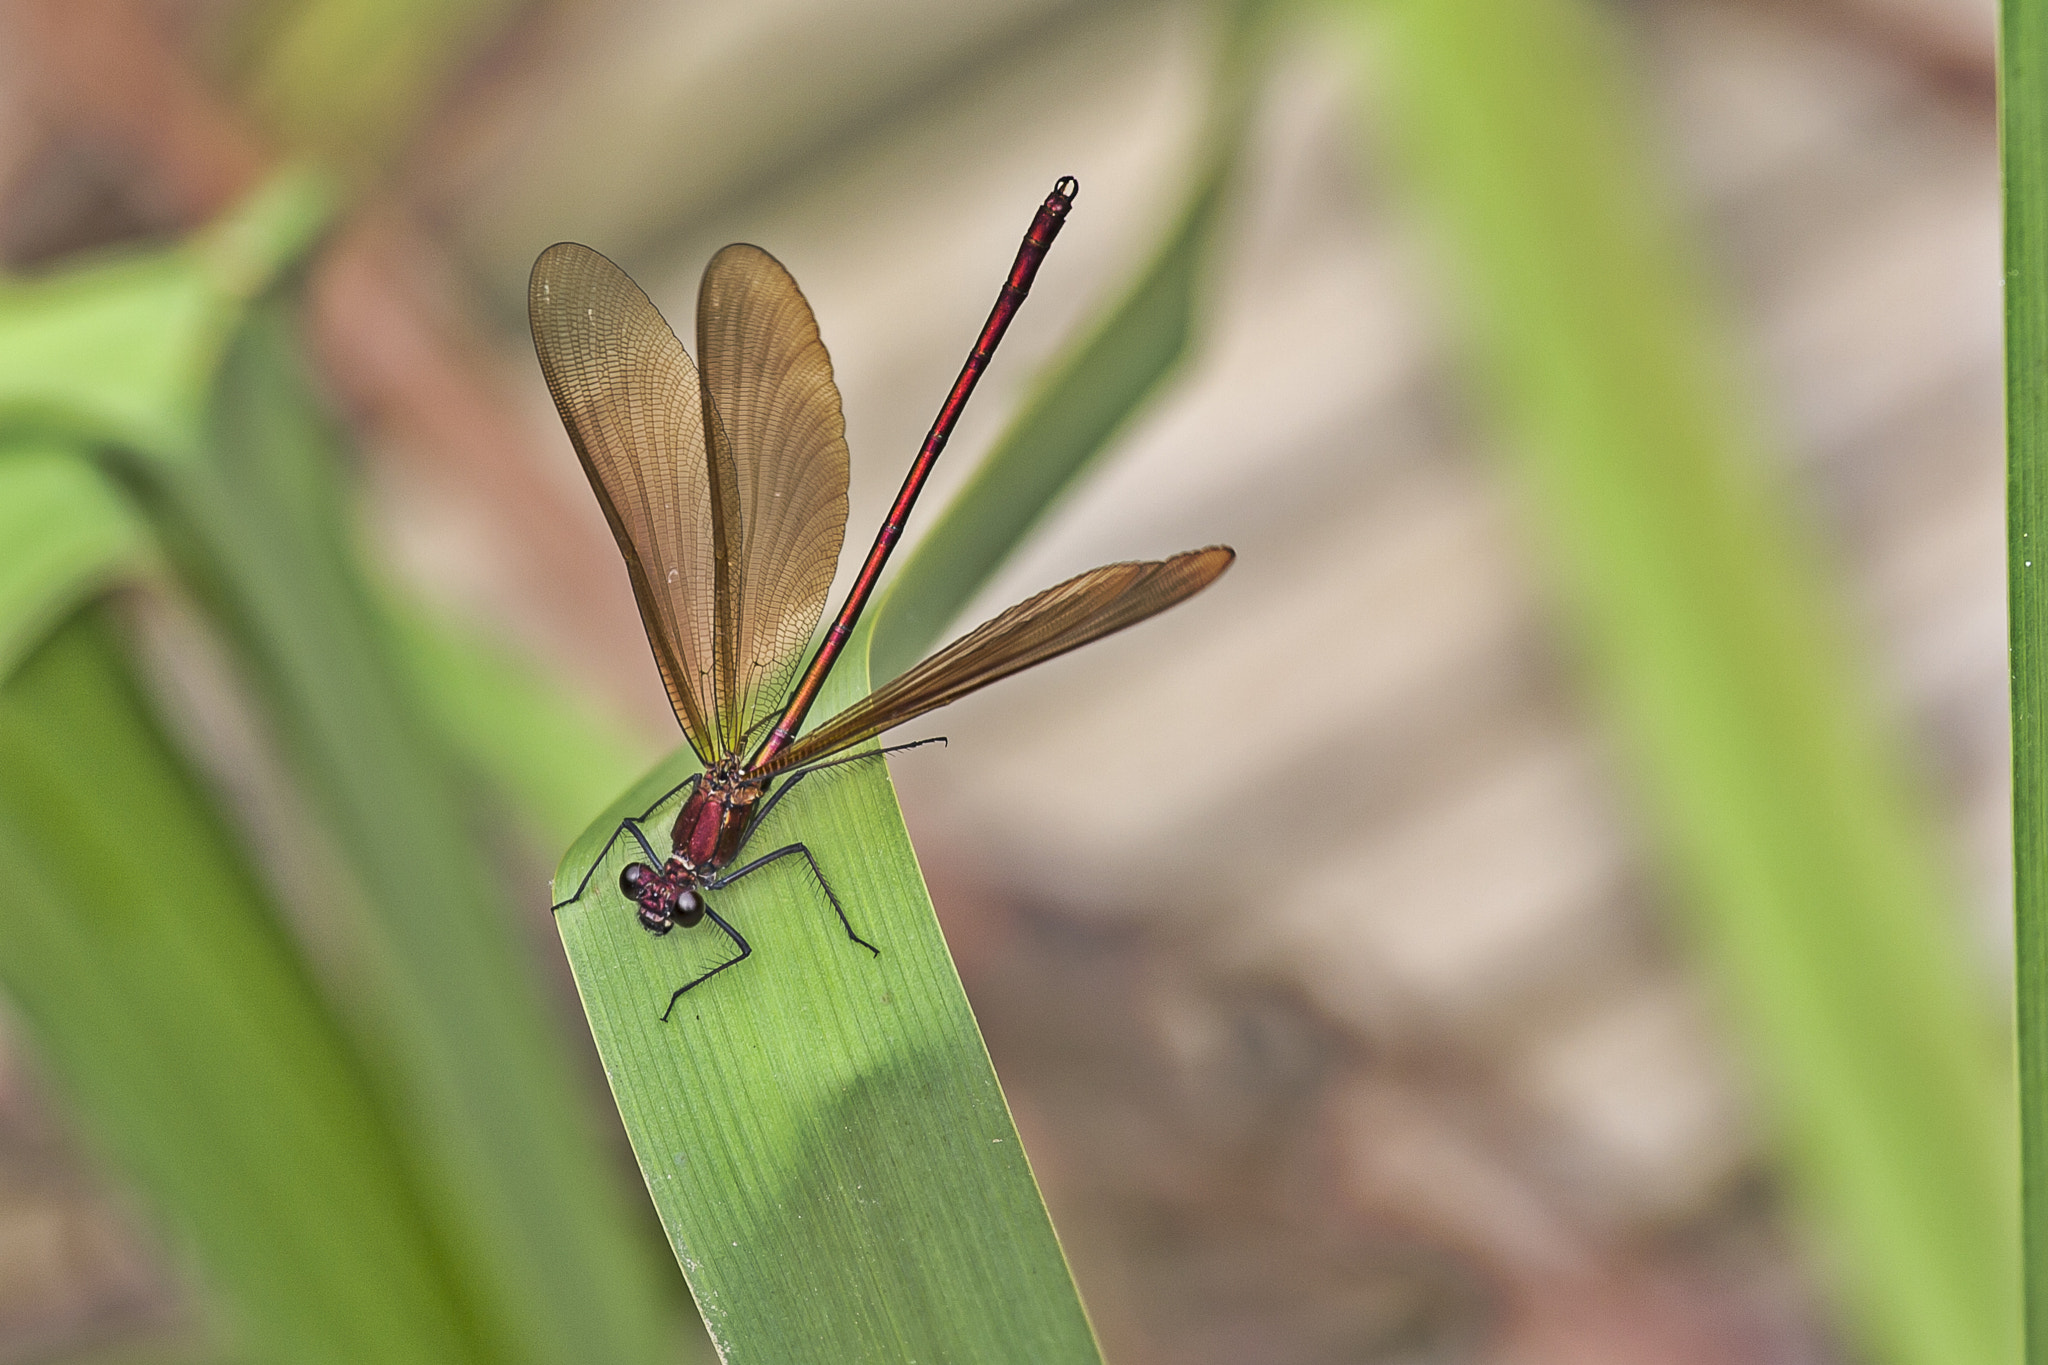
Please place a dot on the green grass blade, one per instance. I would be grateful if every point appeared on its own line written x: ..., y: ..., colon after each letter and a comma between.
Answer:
x: 166, y: 1002
x: 2023, y: 144
x: 477, y: 1073
x: 123, y: 352
x: 152, y: 359
x: 552, y: 754
x: 821, y: 1130
x: 1086, y: 397
x: 65, y: 536
x: 1810, y: 868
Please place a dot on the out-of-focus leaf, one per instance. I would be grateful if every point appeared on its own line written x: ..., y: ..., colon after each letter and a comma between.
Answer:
x: 166, y: 1002
x: 476, y: 1072
x: 123, y: 353
x: 1809, y: 866
x: 151, y: 361
x: 65, y: 534
x: 555, y: 756
x: 820, y: 1128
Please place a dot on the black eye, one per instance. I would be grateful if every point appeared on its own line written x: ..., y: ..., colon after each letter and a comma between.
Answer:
x: 636, y: 878
x: 689, y: 908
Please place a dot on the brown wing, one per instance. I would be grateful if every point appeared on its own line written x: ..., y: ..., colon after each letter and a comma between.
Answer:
x: 1066, y: 617
x: 769, y: 381
x: 634, y: 408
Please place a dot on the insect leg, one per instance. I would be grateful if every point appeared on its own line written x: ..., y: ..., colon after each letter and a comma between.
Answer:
x: 800, y: 774
x: 774, y: 799
x: 633, y: 825
x: 630, y: 824
x: 823, y: 885
x: 746, y: 951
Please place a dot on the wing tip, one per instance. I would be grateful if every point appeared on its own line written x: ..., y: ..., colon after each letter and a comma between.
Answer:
x: 556, y: 252
x: 556, y: 262
x: 1206, y: 564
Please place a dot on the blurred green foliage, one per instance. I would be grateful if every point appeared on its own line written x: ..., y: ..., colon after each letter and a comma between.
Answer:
x: 350, y: 81
x: 165, y: 996
x: 1806, y: 863
x: 164, y: 389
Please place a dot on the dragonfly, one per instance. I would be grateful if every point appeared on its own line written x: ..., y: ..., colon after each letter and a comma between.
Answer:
x: 724, y: 482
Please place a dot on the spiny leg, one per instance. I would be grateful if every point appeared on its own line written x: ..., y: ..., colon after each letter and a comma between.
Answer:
x: 775, y: 798
x: 789, y: 782
x: 746, y: 951
x: 729, y: 878
x: 760, y: 819
x: 631, y: 825
x: 626, y: 826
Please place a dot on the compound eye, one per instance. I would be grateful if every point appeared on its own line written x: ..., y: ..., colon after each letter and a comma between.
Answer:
x: 636, y: 879
x: 689, y: 908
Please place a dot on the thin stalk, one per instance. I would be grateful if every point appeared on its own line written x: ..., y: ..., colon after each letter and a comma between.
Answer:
x: 2023, y: 141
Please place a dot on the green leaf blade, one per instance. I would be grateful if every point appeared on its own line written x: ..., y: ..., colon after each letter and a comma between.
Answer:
x: 820, y: 1128
x: 168, y: 1004
x: 122, y: 353
x: 68, y: 535
x: 544, y: 748
x: 2023, y: 148
x: 475, y: 1075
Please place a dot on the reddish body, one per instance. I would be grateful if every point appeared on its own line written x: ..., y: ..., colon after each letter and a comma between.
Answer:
x: 1052, y: 215
x: 714, y: 820
x: 708, y: 833
x: 725, y: 486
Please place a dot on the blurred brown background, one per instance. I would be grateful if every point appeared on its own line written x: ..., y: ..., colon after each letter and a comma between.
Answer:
x: 1310, y: 927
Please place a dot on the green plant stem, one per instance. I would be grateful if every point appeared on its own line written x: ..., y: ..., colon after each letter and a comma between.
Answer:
x: 2023, y: 143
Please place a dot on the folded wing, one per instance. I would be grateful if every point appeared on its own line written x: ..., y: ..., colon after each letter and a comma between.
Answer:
x: 769, y: 383
x: 634, y: 408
